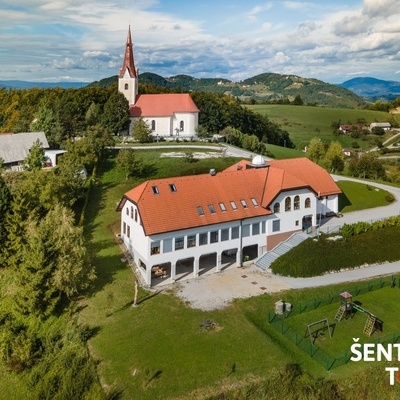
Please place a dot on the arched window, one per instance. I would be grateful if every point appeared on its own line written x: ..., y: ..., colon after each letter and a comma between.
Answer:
x: 296, y: 203
x: 288, y: 204
x: 277, y: 208
x: 135, y: 215
x: 126, y: 86
x: 181, y: 126
x: 307, y: 203
x: 153, y: 124
x: 131, y: 212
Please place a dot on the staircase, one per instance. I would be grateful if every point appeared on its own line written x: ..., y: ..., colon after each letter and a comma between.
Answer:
x: 266, y: 259
x: 370, y: 325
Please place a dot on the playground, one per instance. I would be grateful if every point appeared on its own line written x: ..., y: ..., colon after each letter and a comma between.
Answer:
x: 325, y: 330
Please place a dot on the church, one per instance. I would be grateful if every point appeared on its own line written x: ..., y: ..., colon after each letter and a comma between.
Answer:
x: 170, y: 116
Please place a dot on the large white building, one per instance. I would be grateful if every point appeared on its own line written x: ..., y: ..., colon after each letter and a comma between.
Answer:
x: 186, y: 225
x: 168, y: 115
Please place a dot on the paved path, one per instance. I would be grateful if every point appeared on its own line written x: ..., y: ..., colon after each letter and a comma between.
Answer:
x: 218, y: 290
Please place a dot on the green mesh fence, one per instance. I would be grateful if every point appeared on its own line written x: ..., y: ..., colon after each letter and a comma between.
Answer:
x: 303, y: 342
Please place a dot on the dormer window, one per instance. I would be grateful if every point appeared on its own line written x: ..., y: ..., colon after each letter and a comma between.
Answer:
x: 222, y: 206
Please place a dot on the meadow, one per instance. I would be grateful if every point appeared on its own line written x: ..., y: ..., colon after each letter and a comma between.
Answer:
x: 158, y: 350
x: 305, y: 122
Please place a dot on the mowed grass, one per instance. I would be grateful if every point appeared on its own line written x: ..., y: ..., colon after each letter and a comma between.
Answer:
x: 305, y: 122
x: 359, y: 196
x: 376, y: 302
x: 157, y: 350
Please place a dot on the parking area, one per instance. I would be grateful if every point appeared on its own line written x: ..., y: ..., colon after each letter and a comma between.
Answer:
x: 217, y: 290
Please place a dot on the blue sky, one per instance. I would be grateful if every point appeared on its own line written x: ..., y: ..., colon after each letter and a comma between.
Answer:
x: 83, y: 40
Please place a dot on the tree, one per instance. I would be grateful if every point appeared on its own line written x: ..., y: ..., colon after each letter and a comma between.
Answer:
x: 46, y: 122
x: 251, y: 142
x: 202, y: 132
x: 298, y: 101
x: 141, y: 131
x: 35, y: 159
x: 128, y: 163
x: 334, y: 158
x: 5, y: 205
x: 55, y: 264
x: 232, y: 135
x: 316, y: 150
x: 116, y: 113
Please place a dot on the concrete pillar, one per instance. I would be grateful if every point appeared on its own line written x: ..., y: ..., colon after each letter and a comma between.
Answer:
x: 173, y: 272
x: 219, y: 259
x: 148, y: 275
x: 196, y: 266
x: 238, y: 258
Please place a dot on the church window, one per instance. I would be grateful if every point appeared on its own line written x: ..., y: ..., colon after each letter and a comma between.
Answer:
x: 297, y: 202
x: 181, y: 126
x: 307, y: 203
x: 126, y: 86
x: 153, y: 124
x: 277, y: 208
x: 288, y: 204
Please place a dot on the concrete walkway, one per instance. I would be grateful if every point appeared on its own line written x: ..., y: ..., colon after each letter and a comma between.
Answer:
x: 218, y: 290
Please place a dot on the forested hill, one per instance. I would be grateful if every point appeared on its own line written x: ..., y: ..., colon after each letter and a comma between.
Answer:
x: 263, y: 87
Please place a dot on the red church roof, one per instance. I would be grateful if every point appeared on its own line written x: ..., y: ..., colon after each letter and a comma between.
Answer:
x: 172, y: 204
x: 129, y: 63
x: 162, y: 105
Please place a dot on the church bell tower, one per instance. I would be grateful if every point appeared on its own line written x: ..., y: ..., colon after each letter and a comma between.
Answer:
x: 128, y: 74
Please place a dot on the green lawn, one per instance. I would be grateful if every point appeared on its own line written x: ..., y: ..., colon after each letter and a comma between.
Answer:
x: 157, y: 350
x: 305, y: 122
x: 360, y: 196
x: 343, y: 332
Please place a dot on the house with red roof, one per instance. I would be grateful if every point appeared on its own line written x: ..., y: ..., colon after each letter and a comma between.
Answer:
x: 184, y: 226
x: 170, y: 115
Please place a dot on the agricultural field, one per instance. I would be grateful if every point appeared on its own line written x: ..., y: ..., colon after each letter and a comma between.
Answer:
x: 305, y: 122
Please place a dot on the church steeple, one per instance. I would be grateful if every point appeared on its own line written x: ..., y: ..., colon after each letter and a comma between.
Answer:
x: 128, y: 74
x: 129, y: 63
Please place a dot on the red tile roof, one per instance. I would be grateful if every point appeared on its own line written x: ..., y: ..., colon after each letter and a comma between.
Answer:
x: 175, y: 210
x: 162, y: 105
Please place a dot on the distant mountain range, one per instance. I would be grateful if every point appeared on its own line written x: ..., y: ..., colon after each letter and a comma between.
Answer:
x: 268, y: 86
x: 373, y: 89
x: 44, y: 85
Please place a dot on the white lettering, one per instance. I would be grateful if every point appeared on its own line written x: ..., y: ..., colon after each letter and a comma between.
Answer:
x: 369, y: 351
x: 380, y: 350
x: 354, y: 349
x: 391, y: 371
